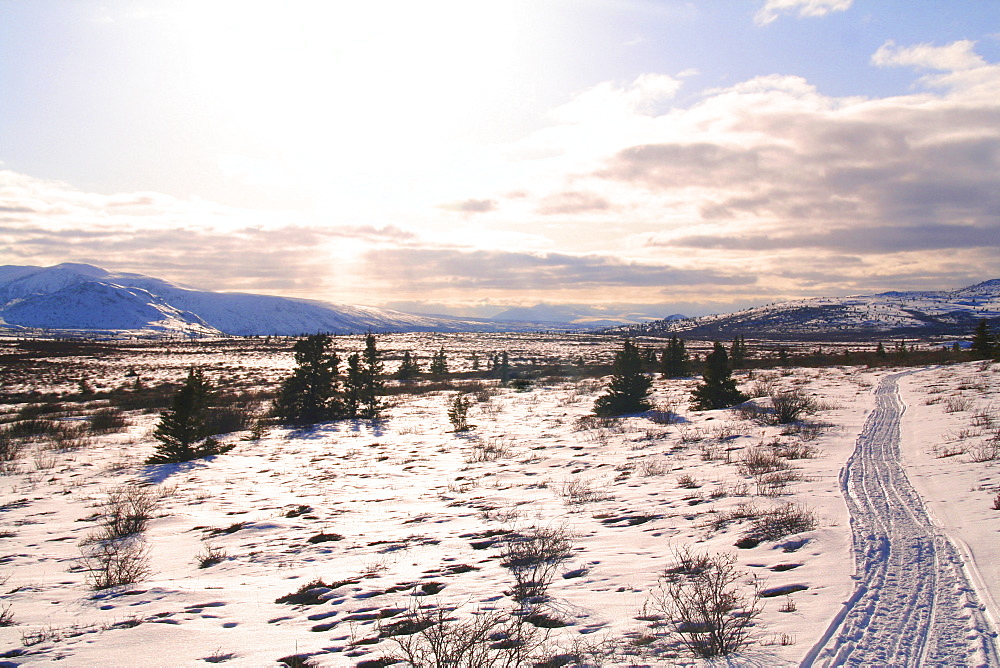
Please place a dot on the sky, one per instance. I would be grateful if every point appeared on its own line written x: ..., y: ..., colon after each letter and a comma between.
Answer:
x: 463, y: 157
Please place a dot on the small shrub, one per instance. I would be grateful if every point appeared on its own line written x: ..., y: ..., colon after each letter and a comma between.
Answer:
x: 210, y: 556
x: 228, y: 419
x: 10, y: 447
x: 687, y: 481
x: 763, y: 386
x: 32, y: 428
x: 576, y: 491
x: 758, y: 461
x: 787, y: 519
x: 126, y: 510
x: 497, y: 447
x: 115, y: 562
x: 663, y: 414
x: 984, y: 452
x: 794, y: 450
x: 486, y: 639
x: 774, y: 483
x: 308, y: 594
x: 708, y: 605
x: 996, y: 502
x: 790, y: 405
x: 957, y: 403
x: 533, y: 557
x: 107, y: 421
x: 6, y: 616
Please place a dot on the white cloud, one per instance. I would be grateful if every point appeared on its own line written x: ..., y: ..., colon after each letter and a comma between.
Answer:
x: 953, y: 57
x: 804, y: 8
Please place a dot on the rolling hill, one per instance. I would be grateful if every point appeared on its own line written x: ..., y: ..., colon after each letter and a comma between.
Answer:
x: 883, y: 315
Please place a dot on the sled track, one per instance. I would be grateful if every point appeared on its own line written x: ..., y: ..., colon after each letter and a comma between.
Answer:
x: 914, y: 604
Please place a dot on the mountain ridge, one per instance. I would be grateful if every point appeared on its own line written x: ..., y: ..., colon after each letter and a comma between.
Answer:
x: 882, y: 315
x: 77, y: 298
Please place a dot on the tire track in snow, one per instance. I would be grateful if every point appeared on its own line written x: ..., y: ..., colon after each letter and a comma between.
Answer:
x: 913, y: 605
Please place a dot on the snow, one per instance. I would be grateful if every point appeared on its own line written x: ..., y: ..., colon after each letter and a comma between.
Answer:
x: 415, y: 506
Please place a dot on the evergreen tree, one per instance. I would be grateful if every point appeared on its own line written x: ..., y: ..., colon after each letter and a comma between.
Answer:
x: 353, y: 386
x: 502, y: 368
x: 983, y: 341
x: 409, y: 368
x: 312, y: 393
x: 439, y: 363
x: 675, y: 361
x: 371, y: 380
x: 629, y: 388
x: 475, y: 361
x: 717, y: 389
x: 738, y: 351
x: 458, y: 413
x: 182, y: 430
x: 880, y: 350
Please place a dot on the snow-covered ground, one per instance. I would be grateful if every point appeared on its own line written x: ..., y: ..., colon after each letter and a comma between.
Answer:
x: 381, y: 512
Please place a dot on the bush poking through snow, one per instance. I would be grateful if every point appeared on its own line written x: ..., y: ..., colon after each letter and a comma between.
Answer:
x: 785, y: 520
x: 115, y: 562
x: 10, y: 447
x: 6, y: 616
x: 487, y: 638
x: 108, y: 420
x: 126, y: 511
x: 708, y: 605
x: 758, y: 461
x: 790, y: 406
x: 210, y: 556
x: 533, y: 557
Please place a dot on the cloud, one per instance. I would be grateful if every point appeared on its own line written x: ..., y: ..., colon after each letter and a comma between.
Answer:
x: 572, y: 203
x: 949, y: 58
x: 473, y: 206
x: 434, y: 269
x: 867, y: 241
x: 803, y: 8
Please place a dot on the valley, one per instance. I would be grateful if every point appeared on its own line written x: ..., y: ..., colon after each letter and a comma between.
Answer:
x: 318, y: 545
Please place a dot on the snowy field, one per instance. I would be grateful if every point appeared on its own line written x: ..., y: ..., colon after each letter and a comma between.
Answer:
x: 367, y: 521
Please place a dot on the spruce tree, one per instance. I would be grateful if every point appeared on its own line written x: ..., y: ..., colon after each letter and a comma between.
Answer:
x: 371, y: 380
x: 717, y: 389
x: 439, y: 363
x: 353, y: 386
x: 409, y: 368
x: 502, y: 368
x: 312, y: 393
x: 182, y: 430
x: 738, y: 351
x: 628, y: 390
x: 983, y: 341
x: 675, y: 361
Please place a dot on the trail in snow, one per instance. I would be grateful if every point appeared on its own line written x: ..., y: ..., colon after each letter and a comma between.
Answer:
x: 913, y: 604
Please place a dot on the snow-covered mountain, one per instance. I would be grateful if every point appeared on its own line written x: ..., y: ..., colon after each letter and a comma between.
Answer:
x: 888, y: 314
x: 80, y: 297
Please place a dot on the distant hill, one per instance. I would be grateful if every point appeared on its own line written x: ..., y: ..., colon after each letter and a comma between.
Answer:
x: 77, y: 298
x: 574, y: 315
x: 884, y: 315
